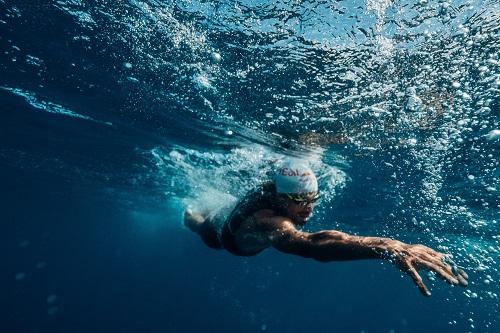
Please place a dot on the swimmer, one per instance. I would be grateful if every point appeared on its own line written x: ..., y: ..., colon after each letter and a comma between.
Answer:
x: 272, y: 214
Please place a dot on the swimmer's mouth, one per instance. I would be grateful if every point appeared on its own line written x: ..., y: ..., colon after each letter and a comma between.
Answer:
x: 304, y: 215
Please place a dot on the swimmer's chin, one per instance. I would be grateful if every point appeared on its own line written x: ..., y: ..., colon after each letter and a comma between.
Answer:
x: 301, y: 220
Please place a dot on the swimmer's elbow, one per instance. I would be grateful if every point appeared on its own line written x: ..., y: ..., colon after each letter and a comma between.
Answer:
x: 297, y: 243
x: 323, y: 246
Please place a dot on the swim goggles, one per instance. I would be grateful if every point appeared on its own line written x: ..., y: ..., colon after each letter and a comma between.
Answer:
x: 303, y: 199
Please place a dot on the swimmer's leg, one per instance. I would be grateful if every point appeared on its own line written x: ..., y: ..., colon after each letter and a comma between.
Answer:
x: 193, y: 220
x: 204, y: 227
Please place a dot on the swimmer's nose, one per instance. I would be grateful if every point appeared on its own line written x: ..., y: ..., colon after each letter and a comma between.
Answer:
x: 309, y: 207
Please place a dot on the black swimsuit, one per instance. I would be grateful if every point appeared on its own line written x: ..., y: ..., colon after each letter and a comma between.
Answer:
x: 263, y: 197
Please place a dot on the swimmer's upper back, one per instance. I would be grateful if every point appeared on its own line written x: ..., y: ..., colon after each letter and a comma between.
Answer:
x: 257, y: 200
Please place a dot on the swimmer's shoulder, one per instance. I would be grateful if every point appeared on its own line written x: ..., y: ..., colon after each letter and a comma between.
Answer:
x: 268, y: 219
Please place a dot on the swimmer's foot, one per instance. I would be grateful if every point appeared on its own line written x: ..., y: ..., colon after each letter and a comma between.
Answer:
x: 193, y: 220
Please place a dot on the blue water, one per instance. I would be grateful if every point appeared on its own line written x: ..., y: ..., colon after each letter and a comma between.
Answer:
x: 115, y: 115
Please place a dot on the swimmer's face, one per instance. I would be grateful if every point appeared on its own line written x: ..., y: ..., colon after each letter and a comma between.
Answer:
x: 300, y: 211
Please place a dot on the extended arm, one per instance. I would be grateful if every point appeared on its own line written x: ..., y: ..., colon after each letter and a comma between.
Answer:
x: 333, y: 245
x: 330, y: 245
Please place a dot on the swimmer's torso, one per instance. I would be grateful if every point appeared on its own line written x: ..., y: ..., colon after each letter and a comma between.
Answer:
x: 240, y: 234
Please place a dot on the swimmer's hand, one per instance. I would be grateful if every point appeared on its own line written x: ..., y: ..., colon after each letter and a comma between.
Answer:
x: 411, y: 258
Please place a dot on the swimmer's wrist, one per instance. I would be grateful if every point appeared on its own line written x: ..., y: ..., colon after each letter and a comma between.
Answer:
x: 385, y: 248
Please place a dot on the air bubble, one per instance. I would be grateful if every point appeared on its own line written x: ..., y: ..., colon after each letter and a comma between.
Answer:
x: 41, y: 264
x: 51, y: 298
x: 216, y: 57
x: 52, y: 310
x: 493, y: 135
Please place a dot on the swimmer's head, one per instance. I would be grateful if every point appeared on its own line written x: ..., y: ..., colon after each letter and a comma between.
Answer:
x: 296, y: 189
x: 295, y: 177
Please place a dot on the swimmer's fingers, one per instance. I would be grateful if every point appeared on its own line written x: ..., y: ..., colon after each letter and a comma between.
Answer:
x: 463, y: 274
x: 443, y: 273
x: 460, y: 275
x: 449, y: 273
x: 463, y: 281
x: 449, y: 265
x: 418, y: 280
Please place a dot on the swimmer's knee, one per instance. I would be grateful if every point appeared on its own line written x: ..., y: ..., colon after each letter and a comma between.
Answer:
x: 192, y: 220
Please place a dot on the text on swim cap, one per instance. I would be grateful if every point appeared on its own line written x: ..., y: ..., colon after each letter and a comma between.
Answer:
x: 293, y: 173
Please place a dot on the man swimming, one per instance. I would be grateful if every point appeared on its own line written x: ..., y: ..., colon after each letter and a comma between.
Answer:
x: 272, y: 214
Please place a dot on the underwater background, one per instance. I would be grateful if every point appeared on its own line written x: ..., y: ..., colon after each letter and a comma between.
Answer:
x: 116, y: 115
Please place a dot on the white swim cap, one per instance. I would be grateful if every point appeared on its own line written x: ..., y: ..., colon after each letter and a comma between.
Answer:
x: 295, y: 177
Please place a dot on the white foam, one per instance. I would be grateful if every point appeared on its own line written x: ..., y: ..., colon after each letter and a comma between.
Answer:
x: 48, y: 106
x: 216, y: 179
x: 202, y: 81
